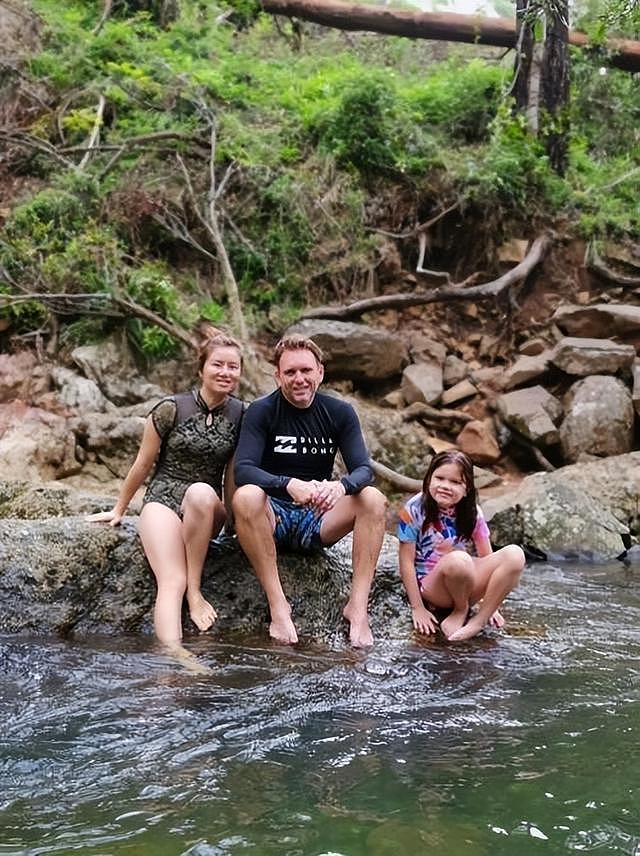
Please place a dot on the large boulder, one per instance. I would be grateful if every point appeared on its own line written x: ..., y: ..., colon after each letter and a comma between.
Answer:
x: 599, y: 419
x: 111, y: 366
x: 35, y: 444
x: 63, y: 575
x: 583, y: 357
x: 586, y: 510
x: 355, y: 351
x: 422, y: 382
x: 599, y: 320
x: 23, y: 376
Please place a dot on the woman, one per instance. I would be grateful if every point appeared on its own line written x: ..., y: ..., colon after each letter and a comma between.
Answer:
x: 191, y: 438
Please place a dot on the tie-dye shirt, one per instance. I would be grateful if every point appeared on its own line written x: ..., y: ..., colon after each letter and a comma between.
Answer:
x: 437, y: 539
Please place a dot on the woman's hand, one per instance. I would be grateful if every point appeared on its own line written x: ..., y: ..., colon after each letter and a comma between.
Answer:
x: 423, y: 620
x: 112, y: 517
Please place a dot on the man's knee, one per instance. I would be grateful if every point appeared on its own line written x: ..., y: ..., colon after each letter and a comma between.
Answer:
x: 373, y: 502
x: 248, y: 501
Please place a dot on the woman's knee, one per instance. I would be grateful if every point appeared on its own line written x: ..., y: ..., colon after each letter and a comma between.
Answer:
x: 200, y: 498
x: 248, y: 501
x: 172, y: 584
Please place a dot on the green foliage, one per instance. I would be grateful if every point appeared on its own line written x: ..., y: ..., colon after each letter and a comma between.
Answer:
x: 151, y: 341
x: 212, y: 311
x: 459, y: 99
x: 84, y: 331
x: 25, y: 316
x: 150, y: 286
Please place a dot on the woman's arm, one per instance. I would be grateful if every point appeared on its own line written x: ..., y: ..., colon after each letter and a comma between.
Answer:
x: 140, y: 469
x: 423, y: 620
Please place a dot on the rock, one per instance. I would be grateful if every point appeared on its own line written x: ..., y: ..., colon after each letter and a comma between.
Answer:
x: 23, y: 377
x: 554, y: 520
x: 478, y: 440
x: 67, y: 576
x: 393, y: 399
x: 599, y: 320
x: 112, y: 367
x: 513, y: 251
x: 111, y: 438
x: 35, y: 444
x: 489, y: 376
x: 79, y: 393
x: 462, y: 390
x: 635, y: 394
x: 582, y: 357
x: 422, y: 382
x: 533, y: 347
x: 424, y: 349
x: 533, y: 412
x: 454, y: 370
x: 355, y: 351
x: 598, y: 419
x: 33, y: 502
x: 527, y: 368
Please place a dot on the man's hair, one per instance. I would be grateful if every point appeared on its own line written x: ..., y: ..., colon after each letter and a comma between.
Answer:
x: 296, y: 342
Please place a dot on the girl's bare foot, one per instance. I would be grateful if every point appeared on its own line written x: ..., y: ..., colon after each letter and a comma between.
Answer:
x: 470, y: 629
x: 202, y: 613
x: 453, y: 622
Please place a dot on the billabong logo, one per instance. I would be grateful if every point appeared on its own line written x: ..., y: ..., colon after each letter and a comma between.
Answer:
x: 285, y: 444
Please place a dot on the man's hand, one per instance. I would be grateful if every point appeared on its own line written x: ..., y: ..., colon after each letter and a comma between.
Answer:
x: 423, y: 620
x: 327, y: 495
x: 302, y: 492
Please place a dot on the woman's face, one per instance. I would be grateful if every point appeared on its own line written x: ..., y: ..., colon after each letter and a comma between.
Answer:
x: 447, y: 485
x: 221, y: 371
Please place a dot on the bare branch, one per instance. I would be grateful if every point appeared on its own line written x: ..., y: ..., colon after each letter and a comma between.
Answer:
x: 95, y: 132
x: 443, y: 294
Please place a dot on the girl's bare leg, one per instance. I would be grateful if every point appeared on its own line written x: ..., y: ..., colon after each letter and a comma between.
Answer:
x: 160, y: 531
x: 450, y: 584
x: 203, y: 516
x: 501, y: 573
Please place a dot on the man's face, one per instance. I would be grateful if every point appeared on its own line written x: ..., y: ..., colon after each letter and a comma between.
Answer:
x: 299, y: 375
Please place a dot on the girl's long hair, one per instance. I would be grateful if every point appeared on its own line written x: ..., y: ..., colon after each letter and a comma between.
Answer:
x: 467, y: 508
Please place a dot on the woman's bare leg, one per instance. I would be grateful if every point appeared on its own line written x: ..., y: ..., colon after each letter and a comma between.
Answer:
x: 160, y: 531
x: 203, y: 516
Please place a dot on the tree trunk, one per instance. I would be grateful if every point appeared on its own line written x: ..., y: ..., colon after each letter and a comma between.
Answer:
x: 524, y: 57
x: 555, y: 88
x: 499, y: 32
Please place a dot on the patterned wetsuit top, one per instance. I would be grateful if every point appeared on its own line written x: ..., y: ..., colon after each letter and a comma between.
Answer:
x: 197, y: 444
x: 438, y: 539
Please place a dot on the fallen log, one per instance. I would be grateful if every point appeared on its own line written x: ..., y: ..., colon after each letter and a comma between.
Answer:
x: 441, y: 26
x: 442, y: 294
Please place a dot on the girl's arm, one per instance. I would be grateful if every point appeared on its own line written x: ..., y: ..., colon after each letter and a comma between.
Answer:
x: 423, y: 620
x: 483, y: 547
x: 140, y: 469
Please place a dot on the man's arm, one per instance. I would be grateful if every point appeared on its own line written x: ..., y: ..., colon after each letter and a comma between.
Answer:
x: 250, y: 450
x: 354, y: 453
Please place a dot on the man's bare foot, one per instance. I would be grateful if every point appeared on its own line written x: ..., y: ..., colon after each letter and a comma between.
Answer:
x: 470, y: 629
x: 360, y: 634
x: 202, y: 613
x: 282, y: 628
x: 453, y: 622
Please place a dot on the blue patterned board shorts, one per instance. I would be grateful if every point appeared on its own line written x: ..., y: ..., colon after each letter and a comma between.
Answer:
x: 297, y: 527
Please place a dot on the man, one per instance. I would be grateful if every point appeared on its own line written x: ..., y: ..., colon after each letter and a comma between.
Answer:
x: 286, y: 495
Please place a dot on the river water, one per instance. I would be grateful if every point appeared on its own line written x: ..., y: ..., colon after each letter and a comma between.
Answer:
x: 509, y: 744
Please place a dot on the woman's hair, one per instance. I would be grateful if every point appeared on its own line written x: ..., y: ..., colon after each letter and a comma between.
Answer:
x: 209, y: 338
x: 466, y: 509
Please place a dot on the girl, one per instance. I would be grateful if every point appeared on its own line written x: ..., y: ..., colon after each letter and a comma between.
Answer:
x: 435, y: 529
x: 191, y: 438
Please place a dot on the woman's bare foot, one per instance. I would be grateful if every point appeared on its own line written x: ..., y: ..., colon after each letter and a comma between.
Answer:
x: 186, y: 658
x: 470, y: 629
x: 453, y: 622
x: 202, y: 613
x: 360, y: 634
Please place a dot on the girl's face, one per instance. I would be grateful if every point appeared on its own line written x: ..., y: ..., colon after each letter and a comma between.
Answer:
x: 221, y: 372
x: 447, y: 486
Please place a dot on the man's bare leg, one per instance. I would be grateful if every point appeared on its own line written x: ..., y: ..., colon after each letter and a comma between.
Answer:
x: 509, y: 562
x: 364, y: 515
x: 203, y: 516
x: 254, y: 525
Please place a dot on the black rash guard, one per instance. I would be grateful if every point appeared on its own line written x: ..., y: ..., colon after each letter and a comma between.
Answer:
x: 279, y: 441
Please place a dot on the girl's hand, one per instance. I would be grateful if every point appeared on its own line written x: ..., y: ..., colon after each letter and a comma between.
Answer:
x: 112, y: 517
x: 423, y: 620
x: 497, y: 619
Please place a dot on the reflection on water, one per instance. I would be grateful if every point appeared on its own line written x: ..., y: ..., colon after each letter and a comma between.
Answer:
x: 524, y: 743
